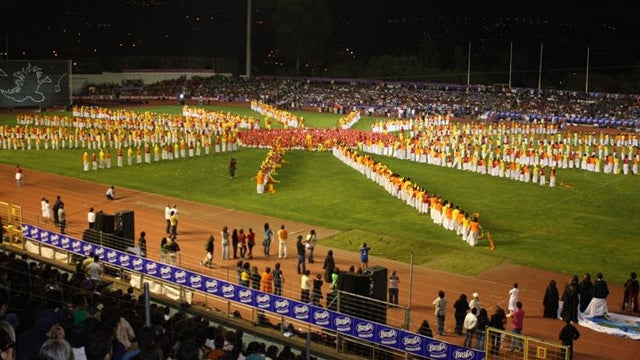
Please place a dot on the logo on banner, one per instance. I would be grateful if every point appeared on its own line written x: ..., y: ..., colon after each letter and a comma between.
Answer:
x: 342, y: 323
x: 321, y: 317
x: 228, y: 290
x: 263, y: 301
x: 301, y: 311
x: 124, y: 260
x: 437, y: 350
x: 463, y: 354
x: 211, y: 286
x: 34, y: 233
x: 44, y: 235
x: 138, y: 264
x: 112, y: 256
x: 65, y: 243
x: 87, y: 249
x: 152, y: 268
x: 282, y: 306
x: 54, y: 239
x: 195, y: 281
x: 388, y: 336
x: 412, y: 343
x: 244, y: 296
x: 364, y: 330
x: 181, y: 277
x: 165, y: 272
x: 98, y: 251
x: 76, y: 246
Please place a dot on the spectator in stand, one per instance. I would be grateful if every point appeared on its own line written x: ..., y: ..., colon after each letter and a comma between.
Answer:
x: 7, y: 345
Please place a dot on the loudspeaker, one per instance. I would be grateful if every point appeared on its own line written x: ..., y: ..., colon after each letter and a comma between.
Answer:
x: 377, y: 282
x: 105, y: 239
x: 125, y: 224
x: 353, y: 283
x: 105, y: 222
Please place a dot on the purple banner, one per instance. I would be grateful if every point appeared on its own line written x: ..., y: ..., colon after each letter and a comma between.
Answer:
x: 365, y: 330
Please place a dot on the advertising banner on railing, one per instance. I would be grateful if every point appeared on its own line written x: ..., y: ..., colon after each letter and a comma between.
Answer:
x: 348, y: 325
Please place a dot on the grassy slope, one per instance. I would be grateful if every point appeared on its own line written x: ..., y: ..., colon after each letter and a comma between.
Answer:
x: 585, y: 224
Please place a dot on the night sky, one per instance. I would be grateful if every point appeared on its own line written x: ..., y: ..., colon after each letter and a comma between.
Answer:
x: 341, y: 30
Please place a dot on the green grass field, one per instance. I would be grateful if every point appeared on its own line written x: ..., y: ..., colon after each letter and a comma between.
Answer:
x: 586, y: 224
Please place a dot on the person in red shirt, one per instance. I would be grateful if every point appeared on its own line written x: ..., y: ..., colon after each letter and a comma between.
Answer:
x: 517, y: 320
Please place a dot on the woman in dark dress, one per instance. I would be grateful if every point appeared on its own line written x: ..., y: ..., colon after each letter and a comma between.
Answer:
x: 550, y: 301
x: 329, y: 265
x: 461, y: 307
x: 586, y: 292
x: 571, y: 298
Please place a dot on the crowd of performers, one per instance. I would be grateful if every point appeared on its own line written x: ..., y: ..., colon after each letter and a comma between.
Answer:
x: 521, y: 151
x: 287, y: 119
x: 441, y: 211
x: 348, y: 121
x: 269, y: 168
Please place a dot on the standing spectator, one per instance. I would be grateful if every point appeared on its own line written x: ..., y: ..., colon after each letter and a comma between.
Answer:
x: 475, y: 302
x: 91, y: 219
x: 394, y: 288
x: 173, y: 223
x: 481, y: 329
x: 571, y: 299
x: 364, y: 256
x: 305, y: 287
x: 251, y: 242
x: 224, y: 241
x: 461, y: 307
x: 167, y: 217
x: 62, y: 219
x: 266, y: 281
x: 242, y: 244
x: 255, y: 278
x: 514, y: 297
x: 598, y: 305
x: 517, y: 320
x: 46, y: 210
x: 470, y: 324
x: 586, y: 292
x: 316, y: 294
x: 142, y: 244
x: 631, y: 289
x: 245, y: 274
x: 440, y: 304
x: 278, y: 279
x: 164, y: 243
x: 208, y: 257
x: 94, y: 268
x: 18, y: 176
x: 498, y: 321
x: 232, y: 167
x: 56, y: 207
x: 234, y: 242
x: 551, y: 301
x: 283, y: 236
x: 300, y: 248
x: 568, y: 335
x: 328, y: 266
x: 310, y: 242
x: 266, y: 240
x: 111, y: 193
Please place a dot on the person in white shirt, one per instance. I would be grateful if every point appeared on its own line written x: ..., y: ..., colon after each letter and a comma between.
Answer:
x: 470, y: 324
x: 91, y: 218
x: 110, y: 194
x: 94, y: 269
x: 167, y: 217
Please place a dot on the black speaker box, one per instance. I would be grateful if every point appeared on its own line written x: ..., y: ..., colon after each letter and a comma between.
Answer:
x: 125, y: 224
x: 105, y: 222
